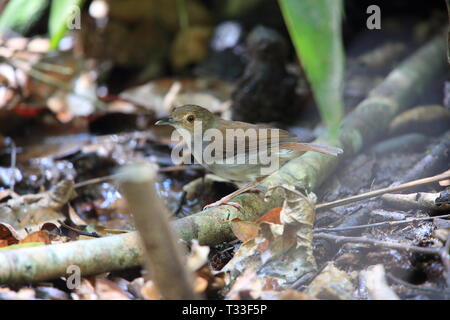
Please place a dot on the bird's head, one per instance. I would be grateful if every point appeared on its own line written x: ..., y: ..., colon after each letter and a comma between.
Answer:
x: 185, y: 116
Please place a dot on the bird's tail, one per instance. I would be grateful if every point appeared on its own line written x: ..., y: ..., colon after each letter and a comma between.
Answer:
x: 334, y: 151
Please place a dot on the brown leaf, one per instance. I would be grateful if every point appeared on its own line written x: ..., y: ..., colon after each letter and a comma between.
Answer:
x: 33, y: 209
x: 273, y: 216
x: 208, y: 281
x: 332, y: 283
x: 38, y: 236
x: 150, y: 291
x: 135, y: 287
x: 444, y: 183
x: 85, y: 291
x: 198, y: 256
x: 75, y: 218
x: 158, y: 95
x: 271, y: 284
x: 246, y: 286
x: 248, y: 230
x: 244, y: 230
x: 108, y: 290
x: 200, y: 285
x: 9, y: 234
x: 281, y: 251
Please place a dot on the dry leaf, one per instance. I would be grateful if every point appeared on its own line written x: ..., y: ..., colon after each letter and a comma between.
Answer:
x: 75, y: 218
x: 377, y: 286
x: 150, y: 291
x: 108, y: 290
x: 85, y: 291
x: 248, y: 230
x: 9, y: 234
x: 332, y: 283
x: 33, y: 209
x: 273, y: 216
x: 246, y: 286
x: 200, y: 285
x: 444, y: 183
x: 208, y: 281
x: 283, y: 251
x: 244, y: 230
x: 198, y: 256
x: 38, y: 236
x: 3, y: 243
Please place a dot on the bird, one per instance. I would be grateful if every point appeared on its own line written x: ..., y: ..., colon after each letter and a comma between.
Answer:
x: 240, y: 151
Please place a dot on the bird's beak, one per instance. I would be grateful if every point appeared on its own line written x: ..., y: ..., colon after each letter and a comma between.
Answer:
x: 165, y: 121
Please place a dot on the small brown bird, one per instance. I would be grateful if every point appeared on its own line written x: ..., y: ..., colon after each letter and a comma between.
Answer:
x: 237, y: 151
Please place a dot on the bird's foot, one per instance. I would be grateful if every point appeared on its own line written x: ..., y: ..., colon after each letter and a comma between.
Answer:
x: 222, y: 202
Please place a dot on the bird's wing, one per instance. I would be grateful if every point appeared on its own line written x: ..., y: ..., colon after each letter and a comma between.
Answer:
x: 240, y: 137
x: 268, y: 137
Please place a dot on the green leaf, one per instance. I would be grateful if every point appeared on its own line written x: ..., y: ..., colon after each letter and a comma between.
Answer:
x: 22, y: 245
x: 62, y: 13
x: 19, y: 15
x: 315, y: 29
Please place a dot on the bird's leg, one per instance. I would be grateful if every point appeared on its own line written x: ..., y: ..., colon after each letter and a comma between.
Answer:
x: 226, y: 199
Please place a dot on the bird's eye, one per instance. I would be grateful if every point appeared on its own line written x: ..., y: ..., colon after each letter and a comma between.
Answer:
x: 190, y: 118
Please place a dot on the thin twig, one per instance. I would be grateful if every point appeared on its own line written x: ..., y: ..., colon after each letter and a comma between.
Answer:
x: 42, y: 77
x: 379, y: 224
x: 117, y: 175
x: 180, y: 168
x: 96, y: 180
x: 46, y: 66
x: 79, y: 232
x: 443, y: 176
x: 13, y: 165
x: 379, y: 243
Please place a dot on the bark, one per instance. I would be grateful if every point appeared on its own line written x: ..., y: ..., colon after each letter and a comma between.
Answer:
x: 91, y: 256
x: 165, y: 259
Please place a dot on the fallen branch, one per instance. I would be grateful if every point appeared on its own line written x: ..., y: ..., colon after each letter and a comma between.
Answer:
x: 437, y: 158
x: 379, y: 224
x: 378, y: 243
x: 91, y: 256
x: 371, y: 194
x: 419, y: 200
x: 165, y: 260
